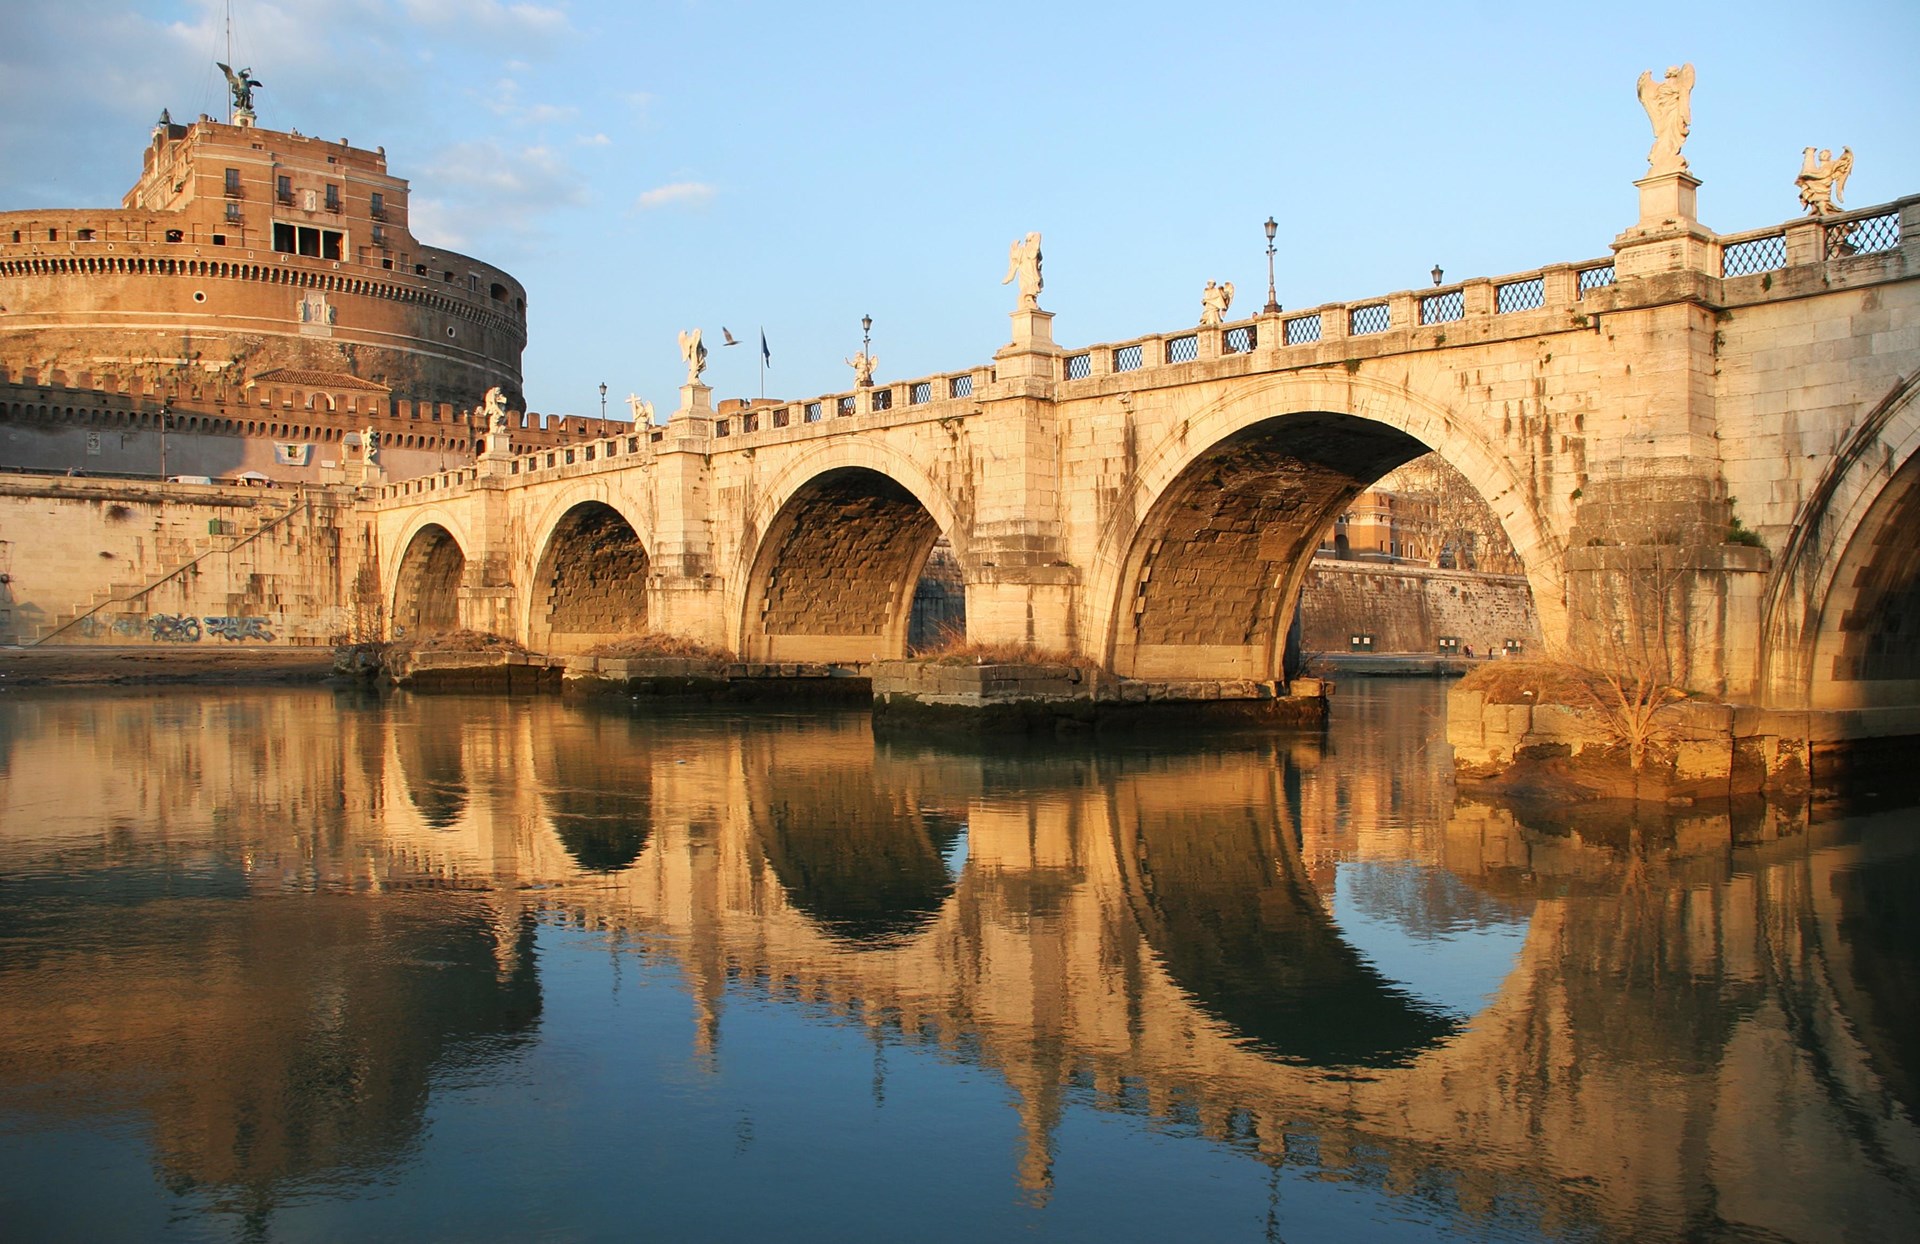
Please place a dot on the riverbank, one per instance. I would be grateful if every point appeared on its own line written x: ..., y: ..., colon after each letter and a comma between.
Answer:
x: 76, y: 665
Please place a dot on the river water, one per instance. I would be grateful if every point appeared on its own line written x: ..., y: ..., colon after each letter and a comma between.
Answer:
x: 306, y: 965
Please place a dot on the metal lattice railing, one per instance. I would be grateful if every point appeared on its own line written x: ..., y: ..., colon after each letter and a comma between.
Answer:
x: 1755, y: 255
x: 882, y: 399
x: 921, y: 393
x: 1079, y: 366
x: 1183, y: 349
x: 845, y: 405
x: 1303, y: 331
x: 1241, y: 340
x: 1591, y: 279
x: 1528, y: 295
x: 1375, y: 317
x: 1128, y: 358
x: 960, y: 386
x: 1443, y: 308
x: 813, y: 412
x: 1867, y: 236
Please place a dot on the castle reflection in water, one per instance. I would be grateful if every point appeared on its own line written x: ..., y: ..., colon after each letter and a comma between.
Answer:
x: 264, y: 922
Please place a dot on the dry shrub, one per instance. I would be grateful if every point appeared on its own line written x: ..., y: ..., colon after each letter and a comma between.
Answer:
x: 641, y: 646
x: 962, y: 653
x: 1527, y: 681
x: 456, y: 641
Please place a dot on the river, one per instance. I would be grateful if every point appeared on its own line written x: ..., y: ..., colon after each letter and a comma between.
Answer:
x: 298, y: 964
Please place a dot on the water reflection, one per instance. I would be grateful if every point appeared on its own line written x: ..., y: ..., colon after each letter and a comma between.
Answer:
x: 269, y: 924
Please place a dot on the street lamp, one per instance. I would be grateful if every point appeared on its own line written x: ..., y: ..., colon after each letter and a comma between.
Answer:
x: 866, y: 348
x: 603, y: 401
x: 1273, y: 303
x: 1437, y: 275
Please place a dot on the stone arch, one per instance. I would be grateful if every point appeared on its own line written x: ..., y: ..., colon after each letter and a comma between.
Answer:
x: 589, y: 586
x: 1843, y: 561
x: 832, y: 553
x: 427, y: 579
x: 1203, y: 554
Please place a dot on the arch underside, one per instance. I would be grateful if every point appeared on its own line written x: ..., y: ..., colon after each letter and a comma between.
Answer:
x: 591, y: 587
x: 1215, y: 571
x: 836, y: 583
x: 426, y: 598
x: 1867, y: 653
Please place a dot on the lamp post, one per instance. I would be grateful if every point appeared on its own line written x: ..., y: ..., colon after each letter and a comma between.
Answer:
x: 1273, y: 303
x: 603, y: 401
x: 866, y: 348
x: 1437, y: 275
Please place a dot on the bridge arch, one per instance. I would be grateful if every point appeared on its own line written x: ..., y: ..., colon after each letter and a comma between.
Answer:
x: 429, y: 568
x: 1203, y: 555
x: 589, y: 580
x: 832, y: 553
x: 1842, y: 621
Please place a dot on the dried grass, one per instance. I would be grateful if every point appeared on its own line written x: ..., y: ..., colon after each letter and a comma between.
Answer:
x: 456, y: 641
x: 642, y: 646
x: 962, y: 653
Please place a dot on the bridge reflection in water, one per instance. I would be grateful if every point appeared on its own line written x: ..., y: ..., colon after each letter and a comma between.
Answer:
x: 274, y: 926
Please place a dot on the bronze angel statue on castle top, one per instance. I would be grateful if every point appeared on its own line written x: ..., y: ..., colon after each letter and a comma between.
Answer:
x: 243, y: 85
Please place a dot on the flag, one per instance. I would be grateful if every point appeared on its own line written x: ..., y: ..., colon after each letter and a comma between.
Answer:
x: 766, y: 355
x: 290, y: 453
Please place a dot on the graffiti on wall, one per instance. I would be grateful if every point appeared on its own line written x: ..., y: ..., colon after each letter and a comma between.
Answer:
x: 169, y: 628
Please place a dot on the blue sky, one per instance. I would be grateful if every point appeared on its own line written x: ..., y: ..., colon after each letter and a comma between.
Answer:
x: 649, y: 167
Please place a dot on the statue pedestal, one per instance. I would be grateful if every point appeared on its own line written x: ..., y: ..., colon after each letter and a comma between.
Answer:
x: 1667, y: 199
x: 1668, y: 237
x: 1032, y: 352
x: 244, y: 118
x: 695, y: 399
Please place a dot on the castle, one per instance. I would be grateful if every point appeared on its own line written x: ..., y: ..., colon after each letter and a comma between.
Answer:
x: 255, y: 306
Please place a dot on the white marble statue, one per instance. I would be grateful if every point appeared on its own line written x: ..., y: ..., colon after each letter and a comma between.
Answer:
x: 370, y: 446
x: 496, y: 411
x: 693, y: 354
x: 1214, y: 301
x: 1023, y: 264
x: 863, y: 365
x: 642, y: 410
x: 1822, y: 178
x: 1669, y: 106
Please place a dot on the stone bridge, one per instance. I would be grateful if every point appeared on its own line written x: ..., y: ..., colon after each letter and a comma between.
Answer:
x: 1701, y: 446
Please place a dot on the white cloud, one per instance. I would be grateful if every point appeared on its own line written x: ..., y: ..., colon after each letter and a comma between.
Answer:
x: 487, y: 15
x: 677, y: 194
x: 594, y: 140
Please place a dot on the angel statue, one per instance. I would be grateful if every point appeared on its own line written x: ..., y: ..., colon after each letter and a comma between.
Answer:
x: 642, y: 410
x: 496, y: 411
x: 370, y: 445
x: 1214, y: 301
x: 693, y: 354
x: 863, y: 365
x: 243, y: 85
x: 1669, y: 107
x: 1822, y: 179
x: 1023, y: 264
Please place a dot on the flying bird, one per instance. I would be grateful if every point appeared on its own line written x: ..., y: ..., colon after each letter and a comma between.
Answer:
x: 728, y: 335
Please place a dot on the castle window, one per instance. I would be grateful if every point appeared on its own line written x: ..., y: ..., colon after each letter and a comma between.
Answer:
x: 284, y: 239
x: 283, y: 189
x: 85, y: 235
x: 233, y: 183
x: 378, y: 206
x: 175, y: 235
x: 233, y: 211
x: 219, y: 239
x: 16, y: 235
x: 333, y: 198
x: 53, y: 235
x: 330, y: 243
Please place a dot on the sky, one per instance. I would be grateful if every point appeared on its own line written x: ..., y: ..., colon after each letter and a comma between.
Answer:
x: 648, y: 167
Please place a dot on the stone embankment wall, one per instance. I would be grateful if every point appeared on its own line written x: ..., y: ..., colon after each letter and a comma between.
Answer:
x: 1408, y: 609
x: 85, y: 561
